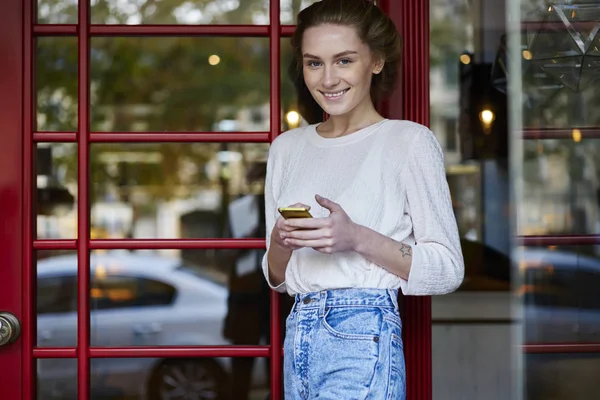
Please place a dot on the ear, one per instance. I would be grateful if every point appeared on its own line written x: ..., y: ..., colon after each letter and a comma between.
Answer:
x: 378, y: 66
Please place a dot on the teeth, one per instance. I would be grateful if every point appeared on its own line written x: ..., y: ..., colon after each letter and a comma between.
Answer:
x: 336, y: 94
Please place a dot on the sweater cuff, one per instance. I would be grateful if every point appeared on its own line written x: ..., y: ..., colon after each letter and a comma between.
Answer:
x: 417, y: 277
x: 281, y: 288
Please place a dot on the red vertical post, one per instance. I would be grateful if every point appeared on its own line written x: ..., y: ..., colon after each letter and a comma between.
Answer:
x: 411, y: 102
x: 83, y: 226
x: 29, y: 276
x: 275, y: 129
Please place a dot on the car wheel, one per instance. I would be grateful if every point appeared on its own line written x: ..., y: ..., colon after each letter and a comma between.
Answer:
x: 186, y: 379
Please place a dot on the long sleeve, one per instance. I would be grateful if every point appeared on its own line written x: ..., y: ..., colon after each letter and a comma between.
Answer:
x: 270, y: 218
x: 437, y: 260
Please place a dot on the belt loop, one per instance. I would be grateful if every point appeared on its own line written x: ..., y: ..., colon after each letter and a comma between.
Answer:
x: 296, y: 301
x: 394, y: 296
x: 322, y: 303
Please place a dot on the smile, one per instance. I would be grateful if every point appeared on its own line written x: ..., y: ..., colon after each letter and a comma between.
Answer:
x: 334, y: 95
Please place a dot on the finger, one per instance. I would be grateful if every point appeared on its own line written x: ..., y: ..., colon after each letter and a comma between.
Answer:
x: 300, y: 205
x: 328, y: 204
x: 316, y: 243
x: 306, y: 234
x: 307, y: 223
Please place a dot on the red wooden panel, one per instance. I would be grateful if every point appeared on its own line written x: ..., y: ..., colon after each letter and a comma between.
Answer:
x: 412, y: 102
x: 83, y: 217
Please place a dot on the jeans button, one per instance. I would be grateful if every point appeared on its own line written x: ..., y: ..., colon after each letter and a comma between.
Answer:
x: 306, y: 300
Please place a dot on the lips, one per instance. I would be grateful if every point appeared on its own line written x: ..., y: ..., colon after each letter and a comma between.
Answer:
x: 334, y: 95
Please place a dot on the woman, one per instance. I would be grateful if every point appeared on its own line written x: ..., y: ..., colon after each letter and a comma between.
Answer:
x: 383, y: 219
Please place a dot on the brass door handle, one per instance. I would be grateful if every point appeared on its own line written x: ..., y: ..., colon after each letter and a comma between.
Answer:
x: 10, y: 328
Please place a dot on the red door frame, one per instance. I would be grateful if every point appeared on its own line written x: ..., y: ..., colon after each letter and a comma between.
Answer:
x: 17, y: 110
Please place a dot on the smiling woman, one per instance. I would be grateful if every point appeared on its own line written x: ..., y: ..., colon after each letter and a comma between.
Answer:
x: 382, y: 216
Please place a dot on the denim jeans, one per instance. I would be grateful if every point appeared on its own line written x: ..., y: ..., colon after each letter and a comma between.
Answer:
x: 344, y: 344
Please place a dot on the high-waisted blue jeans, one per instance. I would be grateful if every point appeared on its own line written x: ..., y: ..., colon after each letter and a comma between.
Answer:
x: 344, y: 344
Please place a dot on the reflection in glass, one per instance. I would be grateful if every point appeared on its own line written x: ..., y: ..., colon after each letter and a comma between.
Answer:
x: 560, y: 294
x: 176, y: 190
x: 56, y: 84
x: 290, y: 8
x: 180, y: 84
x: 561, y: 187
x: 57, y: 11
x: 56, y: 190
x: 56, y: 299
x: 57, y: 379
x: 561, y: 376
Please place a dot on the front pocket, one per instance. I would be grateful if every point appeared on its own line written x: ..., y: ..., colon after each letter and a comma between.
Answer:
x: 355, y: 323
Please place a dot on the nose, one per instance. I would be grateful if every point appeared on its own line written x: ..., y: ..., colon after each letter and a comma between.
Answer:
x: 330, y: 77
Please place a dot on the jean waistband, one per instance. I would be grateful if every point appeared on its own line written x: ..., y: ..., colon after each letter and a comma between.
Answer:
x: 385, y: 298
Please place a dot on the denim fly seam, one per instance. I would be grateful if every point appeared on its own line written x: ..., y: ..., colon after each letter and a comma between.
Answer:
x: 344, y: 344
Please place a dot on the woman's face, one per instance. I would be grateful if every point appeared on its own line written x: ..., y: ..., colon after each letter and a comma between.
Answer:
x: 338, y: 68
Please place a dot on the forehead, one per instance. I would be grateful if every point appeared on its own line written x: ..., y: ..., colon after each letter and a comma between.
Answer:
x: 325, y: 40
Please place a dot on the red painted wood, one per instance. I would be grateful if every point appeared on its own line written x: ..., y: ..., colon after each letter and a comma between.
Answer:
x: 275, y: 89
x: 11, y: 79
x: 160, y: 352
x: 559, y: 240
x: 411, y: 102
x: 164, y: 30
x: 83, y: 217
x: 556, y: 348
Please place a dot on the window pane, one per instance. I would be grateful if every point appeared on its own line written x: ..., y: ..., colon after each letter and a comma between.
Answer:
x: 56, y: 83
x: 177, y: 190
x: 290, y: 9
x: 179, y: 297
x: 57, y: 379
x: 56, y: 195
x: 57, y: 11
x: 180, y: 84
x: 560, y: 294
x: 56, y: 298
x: 561, y: 376
x: 180, y: 12
x: 562, y: 187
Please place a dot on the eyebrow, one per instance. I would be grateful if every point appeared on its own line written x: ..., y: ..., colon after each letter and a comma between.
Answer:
x: 343, y: 53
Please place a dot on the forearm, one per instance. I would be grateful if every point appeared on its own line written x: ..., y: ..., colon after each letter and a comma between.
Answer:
x: 394, y: 256
x: 278, y: 258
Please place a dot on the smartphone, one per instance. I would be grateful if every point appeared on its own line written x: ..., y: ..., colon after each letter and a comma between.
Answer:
x: 294, y: 212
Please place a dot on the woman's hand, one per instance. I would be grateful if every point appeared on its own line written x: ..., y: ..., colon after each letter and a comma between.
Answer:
x: 333, y: 234
x: 281, y: 230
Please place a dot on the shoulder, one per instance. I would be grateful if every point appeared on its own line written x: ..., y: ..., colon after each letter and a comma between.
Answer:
x: 411, y: 136
x: 290, y: 139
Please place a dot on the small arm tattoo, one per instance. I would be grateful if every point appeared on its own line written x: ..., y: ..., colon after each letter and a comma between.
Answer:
x: 406, y: 250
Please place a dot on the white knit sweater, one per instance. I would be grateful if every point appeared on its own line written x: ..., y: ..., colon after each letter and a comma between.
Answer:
x: 388, y: 177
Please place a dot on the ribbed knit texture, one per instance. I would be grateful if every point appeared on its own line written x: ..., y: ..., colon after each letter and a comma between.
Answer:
x: 388, y: 177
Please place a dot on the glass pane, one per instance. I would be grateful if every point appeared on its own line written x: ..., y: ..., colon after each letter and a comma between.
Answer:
x: 561, y: 376
x: 57, y: 11
x: 57, y: 379
x: 289, y: 9
x: 560, y: 65
x: 179, y: 297
x: 560, y: 294
x: 475, y: 161
x: 180, y: 12
x: 562, y: 188
x: 56, y: 83
x: 56, y: 298
x: 180, y: 84
x: 179, y: 378
x: 56, y: 195
x: 177, y: 190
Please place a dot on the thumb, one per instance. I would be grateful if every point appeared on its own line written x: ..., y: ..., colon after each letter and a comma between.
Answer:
x: 328, y: 204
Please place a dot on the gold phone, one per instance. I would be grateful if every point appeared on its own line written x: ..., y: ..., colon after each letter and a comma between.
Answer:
x: 294, y: 212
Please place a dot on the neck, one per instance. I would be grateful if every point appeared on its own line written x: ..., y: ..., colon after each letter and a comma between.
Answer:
x: 352, y: 121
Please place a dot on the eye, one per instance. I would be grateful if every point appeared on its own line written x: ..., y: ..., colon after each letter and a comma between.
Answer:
x: 345, y: 61
x: 313, y: 64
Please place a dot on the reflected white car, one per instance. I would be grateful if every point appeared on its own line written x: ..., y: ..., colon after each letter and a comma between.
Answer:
x: 136, y: 300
